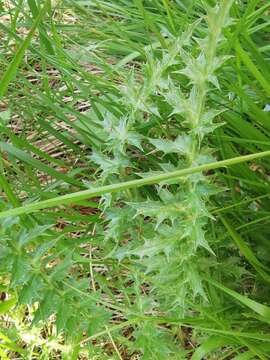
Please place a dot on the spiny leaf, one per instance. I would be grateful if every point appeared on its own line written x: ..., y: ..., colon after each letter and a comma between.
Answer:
x: 180, y: 145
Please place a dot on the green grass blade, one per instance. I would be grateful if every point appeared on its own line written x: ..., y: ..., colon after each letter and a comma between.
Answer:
x: 260, y: 309
x: 42, y: 32
x: 36, y: 164
x: 87, y: 194
x: 245, y: 356
x: 4, y: 184
x: 10, y: 73
x: 252, y: 68
x: 246, y: 251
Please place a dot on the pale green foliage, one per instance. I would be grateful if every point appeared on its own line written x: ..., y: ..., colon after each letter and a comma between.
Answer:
x: 119, y: 114
x: 179, y: 216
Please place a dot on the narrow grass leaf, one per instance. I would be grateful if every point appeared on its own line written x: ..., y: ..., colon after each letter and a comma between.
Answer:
x: 260, y: 309
x: 246, y: 251
x: 13, y: 66
x: 87, y: 194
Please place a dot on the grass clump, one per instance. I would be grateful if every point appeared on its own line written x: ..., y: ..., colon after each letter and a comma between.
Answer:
x: 134, y: 180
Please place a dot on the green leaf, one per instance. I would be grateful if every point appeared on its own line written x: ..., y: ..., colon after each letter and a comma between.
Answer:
x: 211, y: 344
x: 21, y: 269
x: 87, y: 194
x: 246, y: 251
x: 260, y: 309
x: 253, y: 69
x: 181, y: 145
x: 172, y: 208
x: 32, y: 290
x: 5, y: 116
x: 10, y: 73
x: 155, y: 343
x: 109, y: 165
x: 46, y: 307
x: 247, y: 355
x: 37, y: 164
x: 60, y: 271
x: 6, y: 305
x: 26, y: 236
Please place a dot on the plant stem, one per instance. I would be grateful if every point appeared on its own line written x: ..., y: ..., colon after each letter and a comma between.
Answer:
x: 87, y: 194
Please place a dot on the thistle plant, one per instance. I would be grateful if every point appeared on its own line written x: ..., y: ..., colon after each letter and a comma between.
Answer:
x: 117, y: 238
x: 167, y: 227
